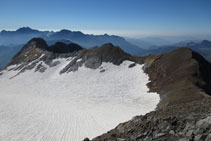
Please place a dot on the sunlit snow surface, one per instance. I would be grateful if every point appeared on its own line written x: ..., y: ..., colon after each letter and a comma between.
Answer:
x: 71, y: 106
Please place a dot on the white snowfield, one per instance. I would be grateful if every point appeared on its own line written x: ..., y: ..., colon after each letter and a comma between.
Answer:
x: 69, y: 107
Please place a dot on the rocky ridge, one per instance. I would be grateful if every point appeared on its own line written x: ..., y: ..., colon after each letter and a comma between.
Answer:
x: 37, y: 51
x: 178, y: 76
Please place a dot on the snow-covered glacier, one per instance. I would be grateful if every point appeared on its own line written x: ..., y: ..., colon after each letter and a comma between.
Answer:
x: 71, y: 106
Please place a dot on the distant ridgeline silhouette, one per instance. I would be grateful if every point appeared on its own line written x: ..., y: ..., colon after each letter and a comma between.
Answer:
x: 22, y: 35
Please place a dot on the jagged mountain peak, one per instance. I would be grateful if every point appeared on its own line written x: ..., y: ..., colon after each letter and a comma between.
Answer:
x: 37, y: 50
x: 38, y: 47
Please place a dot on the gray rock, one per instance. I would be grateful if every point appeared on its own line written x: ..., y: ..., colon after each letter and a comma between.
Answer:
x: 188, y: 126
x: 39, y: 67
x: 204, y: 123
x: 172, y: 132
x: 189, y: 133
x: 142, y: 135
x: 132, y: 65
x: 103, y: 70
x: 42, y: 69
x: 54, y: 63
x: 92, y: 62
x: 183, y: 139
x: 198, y: 137
x: 121, y: 139
x: 208, y: 138
x: 147, y: 139
x: 159, y: 135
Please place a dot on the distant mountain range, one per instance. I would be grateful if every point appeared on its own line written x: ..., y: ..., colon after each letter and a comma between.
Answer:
x: 12, y: 41
x: 24, y: 34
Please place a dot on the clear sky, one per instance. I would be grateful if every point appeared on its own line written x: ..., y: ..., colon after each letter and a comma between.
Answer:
x: 121, y: 17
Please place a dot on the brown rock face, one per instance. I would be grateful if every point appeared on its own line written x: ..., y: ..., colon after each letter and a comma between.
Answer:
x: 179, y: 76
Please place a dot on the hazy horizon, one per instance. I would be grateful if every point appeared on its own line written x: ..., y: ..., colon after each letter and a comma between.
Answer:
x: 192, y: 36
x: 129, y: 18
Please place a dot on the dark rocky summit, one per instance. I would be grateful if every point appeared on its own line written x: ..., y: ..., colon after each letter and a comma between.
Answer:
x: 60, y: 47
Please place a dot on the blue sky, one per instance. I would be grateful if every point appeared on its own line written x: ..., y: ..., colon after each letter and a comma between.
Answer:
x: 122, y: 17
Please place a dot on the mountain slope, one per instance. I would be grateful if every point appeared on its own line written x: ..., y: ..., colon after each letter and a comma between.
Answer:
x: 179, y: 76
